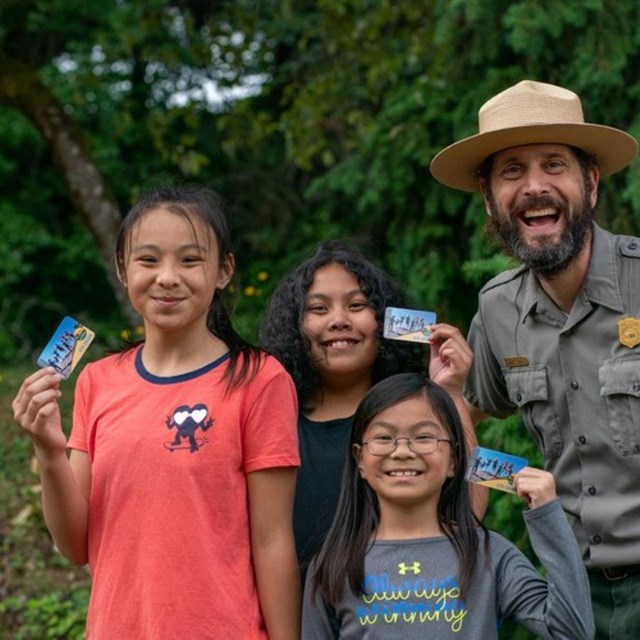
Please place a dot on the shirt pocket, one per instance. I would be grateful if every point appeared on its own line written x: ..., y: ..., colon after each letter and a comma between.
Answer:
x: 528, y: 389
x: 620, y: 387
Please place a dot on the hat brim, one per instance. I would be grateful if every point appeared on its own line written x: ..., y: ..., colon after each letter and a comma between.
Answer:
x: 456, y: 166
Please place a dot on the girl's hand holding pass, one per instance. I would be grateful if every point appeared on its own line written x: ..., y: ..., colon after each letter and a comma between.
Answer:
x: 36, y: 410
x: 535, y: 486
x: 451, y: 358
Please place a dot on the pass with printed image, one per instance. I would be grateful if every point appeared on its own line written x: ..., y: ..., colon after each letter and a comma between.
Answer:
x: 494, y: 469
x: 67, y: 345
x: 411, y: 325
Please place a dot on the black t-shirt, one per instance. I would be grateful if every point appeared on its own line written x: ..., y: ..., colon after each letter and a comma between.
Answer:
x: 323, y: 450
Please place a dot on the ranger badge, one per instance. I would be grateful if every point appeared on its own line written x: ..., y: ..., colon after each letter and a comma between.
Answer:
x: 629, y: 331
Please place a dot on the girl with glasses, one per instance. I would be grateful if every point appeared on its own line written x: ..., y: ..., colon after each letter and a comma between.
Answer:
x: 406, y: 558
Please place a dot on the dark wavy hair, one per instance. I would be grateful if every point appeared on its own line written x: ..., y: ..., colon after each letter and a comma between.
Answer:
x: 340, y: 560
x: 281, y: 330
x: 195, y: 202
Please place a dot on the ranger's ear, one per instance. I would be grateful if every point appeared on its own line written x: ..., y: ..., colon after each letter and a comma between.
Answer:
x: 484, y: 187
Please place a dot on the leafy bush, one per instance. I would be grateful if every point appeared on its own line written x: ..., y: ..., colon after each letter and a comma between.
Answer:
x: 58, y: 615
x: 42, y: 595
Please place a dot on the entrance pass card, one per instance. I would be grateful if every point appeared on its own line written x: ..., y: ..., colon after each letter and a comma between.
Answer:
x: 67, y: 345
x: 411, y: 325
x: 494, y: 469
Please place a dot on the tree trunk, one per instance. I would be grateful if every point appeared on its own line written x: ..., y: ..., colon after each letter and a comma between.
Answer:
x: 21, y: 88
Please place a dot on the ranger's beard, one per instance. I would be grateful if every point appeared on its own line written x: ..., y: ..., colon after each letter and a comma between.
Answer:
x: 544, y: 258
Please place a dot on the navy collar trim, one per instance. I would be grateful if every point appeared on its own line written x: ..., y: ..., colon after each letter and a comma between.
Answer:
x: 150, y: 377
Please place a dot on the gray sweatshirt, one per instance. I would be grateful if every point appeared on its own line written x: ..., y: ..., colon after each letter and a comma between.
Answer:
x: 412, y: 589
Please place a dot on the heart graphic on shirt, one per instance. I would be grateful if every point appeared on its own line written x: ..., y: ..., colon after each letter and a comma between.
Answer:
x: 197, y: 415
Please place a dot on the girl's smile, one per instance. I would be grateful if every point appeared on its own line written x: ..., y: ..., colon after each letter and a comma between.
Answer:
x: 408, y: 473
x: 339, y: 343
x: 167, y: 302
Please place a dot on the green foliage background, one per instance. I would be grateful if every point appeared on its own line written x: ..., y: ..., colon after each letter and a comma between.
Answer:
x: 345, y: 104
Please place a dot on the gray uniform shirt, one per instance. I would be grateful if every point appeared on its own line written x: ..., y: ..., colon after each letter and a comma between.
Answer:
x: 412, y: 591
x: 576, y: 385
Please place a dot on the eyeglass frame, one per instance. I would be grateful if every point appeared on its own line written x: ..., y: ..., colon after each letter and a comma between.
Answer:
x: 409, y: 439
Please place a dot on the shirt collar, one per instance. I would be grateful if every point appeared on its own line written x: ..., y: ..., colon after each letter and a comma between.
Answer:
x: 601, y: 285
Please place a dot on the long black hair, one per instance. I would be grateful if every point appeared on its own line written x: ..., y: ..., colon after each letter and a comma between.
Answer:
x: 197, y: 202
x: 341, y: 558
x: 281, y: 330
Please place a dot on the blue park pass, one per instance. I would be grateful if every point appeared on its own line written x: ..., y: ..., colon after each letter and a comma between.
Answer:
x: 494, y: 469
x: 67, y: 345
x: 411, y: 325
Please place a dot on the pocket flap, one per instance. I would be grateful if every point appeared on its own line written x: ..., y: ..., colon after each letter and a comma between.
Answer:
x: 527, y: 384
x: 620, y: 376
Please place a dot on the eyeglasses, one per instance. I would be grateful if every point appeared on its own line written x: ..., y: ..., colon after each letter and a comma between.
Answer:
x: 385, y: 445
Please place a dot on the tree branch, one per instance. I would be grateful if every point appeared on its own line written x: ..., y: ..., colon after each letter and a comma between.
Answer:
x: 22, y: 89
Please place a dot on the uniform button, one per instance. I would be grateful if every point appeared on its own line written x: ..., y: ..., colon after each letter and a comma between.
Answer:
x: 575, y: 384
x: 636, y: 386
x: 582, y: 440
x: 592, y: 491
x: 519, y: 397
x: 633, y: 246
x: 596, y: 539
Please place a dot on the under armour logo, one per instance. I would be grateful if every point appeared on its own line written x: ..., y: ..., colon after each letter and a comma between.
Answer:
x: 403, y: 568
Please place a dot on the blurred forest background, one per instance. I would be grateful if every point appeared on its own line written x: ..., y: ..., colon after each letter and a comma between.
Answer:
x: 314, y: 119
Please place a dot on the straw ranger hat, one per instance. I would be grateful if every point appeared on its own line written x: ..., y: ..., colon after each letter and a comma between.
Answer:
x: 531, y: 113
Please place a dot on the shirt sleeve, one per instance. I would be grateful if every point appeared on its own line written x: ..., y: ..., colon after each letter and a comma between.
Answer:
x: 560, y: 606
x: 78, y: 439
x: 485, y: 387
x: 270, y: 425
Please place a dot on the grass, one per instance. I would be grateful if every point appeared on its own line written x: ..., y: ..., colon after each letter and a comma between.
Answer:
x: 42, y: 595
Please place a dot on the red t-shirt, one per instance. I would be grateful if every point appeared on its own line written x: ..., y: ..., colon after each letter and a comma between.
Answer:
x: 169, y: 540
